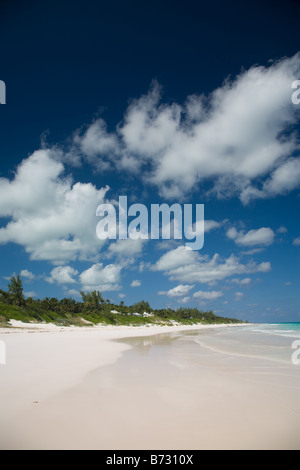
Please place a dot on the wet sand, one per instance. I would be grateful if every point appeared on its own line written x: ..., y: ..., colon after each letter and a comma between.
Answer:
x: 157, y: 391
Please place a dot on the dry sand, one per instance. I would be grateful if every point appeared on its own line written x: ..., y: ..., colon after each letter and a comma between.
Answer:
x: 84, y: 388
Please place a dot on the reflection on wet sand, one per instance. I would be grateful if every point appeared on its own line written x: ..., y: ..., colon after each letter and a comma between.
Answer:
x: 143, y: 344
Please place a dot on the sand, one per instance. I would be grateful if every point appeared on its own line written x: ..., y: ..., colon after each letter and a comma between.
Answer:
x: 141, y: 388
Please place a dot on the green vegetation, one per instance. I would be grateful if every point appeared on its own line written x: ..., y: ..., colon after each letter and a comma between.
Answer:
x: 93, y: 309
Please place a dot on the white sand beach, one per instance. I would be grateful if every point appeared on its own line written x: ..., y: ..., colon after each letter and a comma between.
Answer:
x: 141, y: 388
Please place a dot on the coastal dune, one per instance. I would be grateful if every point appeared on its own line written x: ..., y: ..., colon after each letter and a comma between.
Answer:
x: 141, y: 388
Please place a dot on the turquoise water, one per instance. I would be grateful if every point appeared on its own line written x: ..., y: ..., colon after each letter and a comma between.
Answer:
x: 273, y: 342
x: 265, y: 340
x: 288, y: 330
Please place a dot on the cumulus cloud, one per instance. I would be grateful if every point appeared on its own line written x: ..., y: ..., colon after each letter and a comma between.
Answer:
x: 183, y: 300
x: 98, y: 146
x: 31, y: 294
x: 242, y: 282
x: 282, y: 229
x: 74, y: 293
x: 238, y: 296
x: 63, y: 275
x: 296, y: 241
x: 208, y: 295
x: 102, y: 278
x: 178, y: 291
x: 27, y: 275
x: 126, y: 248
x: 136, y: 283
x: 49, y: 216
x: 242, y: 137
x: 253, y: 251
x: 197, y: 228
x: 283, y: 180
x: 263, y: 236
x: 189, y: 266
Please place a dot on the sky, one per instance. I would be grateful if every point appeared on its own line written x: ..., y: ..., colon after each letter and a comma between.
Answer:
x: 165, y: 103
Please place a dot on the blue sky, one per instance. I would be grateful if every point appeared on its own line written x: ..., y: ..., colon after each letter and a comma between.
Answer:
x: 167, y: 102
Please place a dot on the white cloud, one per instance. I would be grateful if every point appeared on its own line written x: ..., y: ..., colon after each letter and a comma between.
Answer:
x: 242, y: 136
x: 165, y: 245
x: 95, y: 142
x: 208, y: 295
x: 179, y: 257
x: 282, y: 229
x: 197, y: 229
x: 52, y: 218
x: 30, y: 294
x: 74, y: 293
x: 189, y: 266
x: 136, y: 283
x: 263, y: 236
x: 253, y: 251
x: 126, y: 248
x: 238, y: 296
x: 283, y: 180
x: 102, y: 278
x: 63, y: 275
x: 183, y: 300
x: 177, y: 291
x: 296, y: 242
x: 246, y: 281
x: 27, y: 274
x: 144, y: 266
x: 242, y: 282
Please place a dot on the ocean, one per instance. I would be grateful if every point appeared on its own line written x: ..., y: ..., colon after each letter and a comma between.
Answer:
x: 286, y: 329
x: 271, y: 341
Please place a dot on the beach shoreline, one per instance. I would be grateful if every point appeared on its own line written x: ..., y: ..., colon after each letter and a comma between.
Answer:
x: 58, y: 380
x: 56, y: 357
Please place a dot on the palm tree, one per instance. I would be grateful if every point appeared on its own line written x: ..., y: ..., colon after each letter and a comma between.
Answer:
x: 15, y: 289
x: 67, y: 305
x: 92, y: 300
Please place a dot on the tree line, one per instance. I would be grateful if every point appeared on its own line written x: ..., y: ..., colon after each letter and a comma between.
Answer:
x: 94, y: 308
